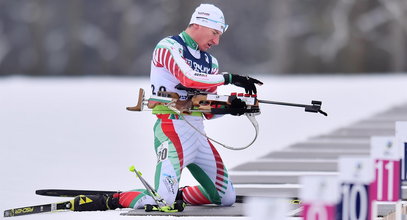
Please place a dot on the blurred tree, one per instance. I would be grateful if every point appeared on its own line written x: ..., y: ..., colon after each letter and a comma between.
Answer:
x: 103, y: 37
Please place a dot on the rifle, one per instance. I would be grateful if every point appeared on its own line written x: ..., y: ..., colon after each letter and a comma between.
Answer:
x: 200, y: 101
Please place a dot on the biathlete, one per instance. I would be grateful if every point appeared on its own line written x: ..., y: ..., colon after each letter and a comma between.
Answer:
x: 183, y: 59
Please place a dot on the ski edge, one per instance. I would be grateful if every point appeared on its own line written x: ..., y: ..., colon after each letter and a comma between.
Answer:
x: 71, y: 192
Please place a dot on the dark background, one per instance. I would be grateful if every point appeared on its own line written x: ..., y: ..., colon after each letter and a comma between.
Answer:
x: 117, y: 37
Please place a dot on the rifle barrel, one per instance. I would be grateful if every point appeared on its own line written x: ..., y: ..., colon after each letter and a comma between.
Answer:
x: 282, y: 103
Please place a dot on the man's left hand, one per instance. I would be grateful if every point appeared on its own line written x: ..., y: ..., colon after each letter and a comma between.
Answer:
x: 248, y: 83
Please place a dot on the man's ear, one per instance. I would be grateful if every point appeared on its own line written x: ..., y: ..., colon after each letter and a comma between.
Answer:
x: 195, y: 26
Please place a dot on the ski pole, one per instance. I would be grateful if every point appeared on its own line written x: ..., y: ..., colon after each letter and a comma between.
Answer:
x: 162, y: 204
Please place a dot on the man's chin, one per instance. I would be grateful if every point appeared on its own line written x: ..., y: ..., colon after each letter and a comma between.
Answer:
x: 204, y: 49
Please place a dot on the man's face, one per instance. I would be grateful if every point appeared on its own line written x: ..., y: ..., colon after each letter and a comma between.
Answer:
x: 206, y: 37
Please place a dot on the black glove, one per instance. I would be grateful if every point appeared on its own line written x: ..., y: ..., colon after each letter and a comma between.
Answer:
x: 237, y: 107
x: 242, y: 81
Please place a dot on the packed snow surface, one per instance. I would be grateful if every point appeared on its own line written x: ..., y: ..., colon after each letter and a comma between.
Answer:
x: 75, y: 133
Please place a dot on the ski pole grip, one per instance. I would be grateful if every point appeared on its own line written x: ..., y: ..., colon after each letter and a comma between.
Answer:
x: 133, y: 169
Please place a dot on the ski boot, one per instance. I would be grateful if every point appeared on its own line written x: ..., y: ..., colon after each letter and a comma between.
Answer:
x: 179, y: 203
x: 177, y: 206
x: 100, y: 202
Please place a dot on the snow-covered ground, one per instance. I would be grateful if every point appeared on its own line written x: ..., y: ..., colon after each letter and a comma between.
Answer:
x: 75, y: 132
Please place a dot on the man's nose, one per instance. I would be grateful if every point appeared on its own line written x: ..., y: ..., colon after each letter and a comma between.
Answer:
x: 216, y: 40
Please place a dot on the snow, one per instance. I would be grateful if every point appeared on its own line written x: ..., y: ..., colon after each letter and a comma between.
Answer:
x: 75, y: 133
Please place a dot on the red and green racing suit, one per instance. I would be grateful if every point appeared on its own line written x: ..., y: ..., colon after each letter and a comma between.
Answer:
x: 177, y: 59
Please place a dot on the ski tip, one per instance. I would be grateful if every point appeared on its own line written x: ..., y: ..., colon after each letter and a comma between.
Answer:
x: 8, y: 213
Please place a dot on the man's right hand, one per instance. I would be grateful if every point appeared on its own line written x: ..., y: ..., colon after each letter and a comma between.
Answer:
x: 237, y: 106
x: 248, y: 83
